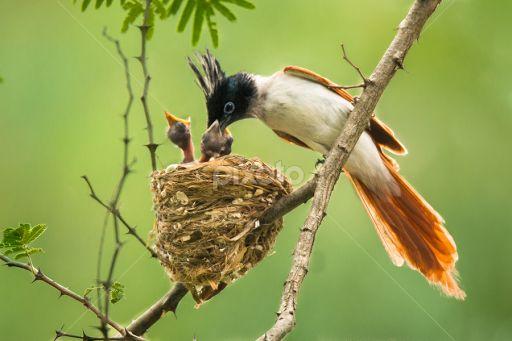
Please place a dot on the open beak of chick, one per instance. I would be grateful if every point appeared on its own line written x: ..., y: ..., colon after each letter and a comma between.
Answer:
x: 215, y: 142
x: 179, y: 134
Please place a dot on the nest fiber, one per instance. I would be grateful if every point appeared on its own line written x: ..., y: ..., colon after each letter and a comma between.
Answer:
x: 208, y: 233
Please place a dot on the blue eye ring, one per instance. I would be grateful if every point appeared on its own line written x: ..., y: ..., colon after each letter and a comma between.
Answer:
x: 229, y: 108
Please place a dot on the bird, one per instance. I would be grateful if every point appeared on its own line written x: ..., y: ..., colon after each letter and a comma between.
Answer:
x: 310, y: 111
x: 179, y: 134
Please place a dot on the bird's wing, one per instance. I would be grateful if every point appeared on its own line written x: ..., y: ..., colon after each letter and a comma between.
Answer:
x: 381, y: 134
x: 290, y: 138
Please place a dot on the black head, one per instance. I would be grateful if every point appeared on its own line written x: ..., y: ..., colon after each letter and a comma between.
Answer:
x: 227, y: 98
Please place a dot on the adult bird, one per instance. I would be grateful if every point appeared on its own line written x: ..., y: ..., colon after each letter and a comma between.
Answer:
x: 310, y: 111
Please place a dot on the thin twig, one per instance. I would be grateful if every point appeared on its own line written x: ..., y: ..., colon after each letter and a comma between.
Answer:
x: 126, y: 170
x: 144, y: 28
x: 131, y: 229
x: 99, y: 286
x: 84, y: 337
x: 408, y: 32
x: 347, y: 87
x: 366, y: 81
x: 169, y: 302
x: 40, y: 276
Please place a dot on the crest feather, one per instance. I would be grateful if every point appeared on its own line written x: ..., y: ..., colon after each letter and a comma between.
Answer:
x: 212, y: 74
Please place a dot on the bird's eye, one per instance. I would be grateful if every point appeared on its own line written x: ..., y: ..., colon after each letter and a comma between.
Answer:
x: 229, y: 107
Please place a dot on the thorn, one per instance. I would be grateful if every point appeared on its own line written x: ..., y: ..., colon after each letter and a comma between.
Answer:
x: 144, y: 28
x: 152, y: 146
x: 38, y: 275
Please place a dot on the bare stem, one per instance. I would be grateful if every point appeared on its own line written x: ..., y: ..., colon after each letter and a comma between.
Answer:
x: 144, y: 28
x: 408, y: 32
x: 357, y: 68
x: 125, y: 171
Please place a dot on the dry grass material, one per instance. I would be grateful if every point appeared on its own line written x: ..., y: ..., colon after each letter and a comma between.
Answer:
x: 207, y: 233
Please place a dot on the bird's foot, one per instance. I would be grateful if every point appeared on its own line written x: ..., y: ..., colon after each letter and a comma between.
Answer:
x: 320, y: 162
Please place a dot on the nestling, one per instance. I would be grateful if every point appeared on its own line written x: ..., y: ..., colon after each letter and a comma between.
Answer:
x: 310, y: 111
x: 179, y: 134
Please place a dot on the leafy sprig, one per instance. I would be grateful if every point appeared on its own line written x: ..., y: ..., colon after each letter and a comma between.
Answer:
x: 202, y: 11
x: 16, y: 240
x: 116, y: 291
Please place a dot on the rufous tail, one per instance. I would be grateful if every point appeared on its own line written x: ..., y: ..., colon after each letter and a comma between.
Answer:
x: 412, y: 231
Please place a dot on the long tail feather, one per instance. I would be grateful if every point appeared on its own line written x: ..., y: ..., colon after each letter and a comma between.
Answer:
x: 412, y: 231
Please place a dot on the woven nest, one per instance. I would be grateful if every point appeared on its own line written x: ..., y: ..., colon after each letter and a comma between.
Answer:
x: 207, y: 233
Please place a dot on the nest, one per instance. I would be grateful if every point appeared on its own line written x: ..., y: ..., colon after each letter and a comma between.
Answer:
x: 207, y: 233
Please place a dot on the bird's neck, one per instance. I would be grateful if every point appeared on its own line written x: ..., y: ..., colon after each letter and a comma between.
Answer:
x: 188, y: 153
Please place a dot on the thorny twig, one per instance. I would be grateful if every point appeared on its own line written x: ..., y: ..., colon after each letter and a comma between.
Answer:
x: 40, y: 276
x: 357, y: 122
x: 131, y: 230
x: 84, y: 337
x: 154, y: 313
x: 366, y: 81
x: 126, y: 170
x: 144, y: 28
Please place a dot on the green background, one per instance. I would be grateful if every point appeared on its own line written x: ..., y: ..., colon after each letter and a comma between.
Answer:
x: 60, y: 107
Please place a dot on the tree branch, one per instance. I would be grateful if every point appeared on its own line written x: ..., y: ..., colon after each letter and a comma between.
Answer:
x: 126, y: 170
x: 169, y: 302
x: 408, y: 31
x: 131, y: 230
x: 144, y: 28
x: 40, y: 276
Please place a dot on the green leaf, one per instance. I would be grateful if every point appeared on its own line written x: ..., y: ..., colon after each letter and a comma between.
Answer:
x: 135, y: 9
x: 198, y: 21
x: 85, y: 4
x: 28, y: 252
x: 176, y: 4
x: 35, y: 233
x: 185, y: 16
x: 160, y: 9
x: 224, y: 10
x: 1, y: 80
x: 16, y: 240
x: 109, y: 2
x: 90, y: 289
x: 212, y: 26
x: 99, y: 3
x: 241, y: 3
x: 14, y: 250
x: 116, y: 292
x: 151, y: 24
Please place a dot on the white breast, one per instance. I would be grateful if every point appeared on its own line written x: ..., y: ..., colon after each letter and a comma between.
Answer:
x: 302, y: 108
x: 315, y: 115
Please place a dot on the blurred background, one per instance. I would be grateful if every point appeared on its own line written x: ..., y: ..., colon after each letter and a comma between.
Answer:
x: 61, y: 103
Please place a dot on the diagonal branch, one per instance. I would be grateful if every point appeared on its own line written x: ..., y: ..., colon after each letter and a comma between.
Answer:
x: 131, y: 230
x: 40, y: 276
x: 154, y: 313
x: 408, y: 31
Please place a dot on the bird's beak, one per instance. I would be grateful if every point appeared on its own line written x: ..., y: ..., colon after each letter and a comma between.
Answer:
x: 171, y: 119
x: 225, y: 122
